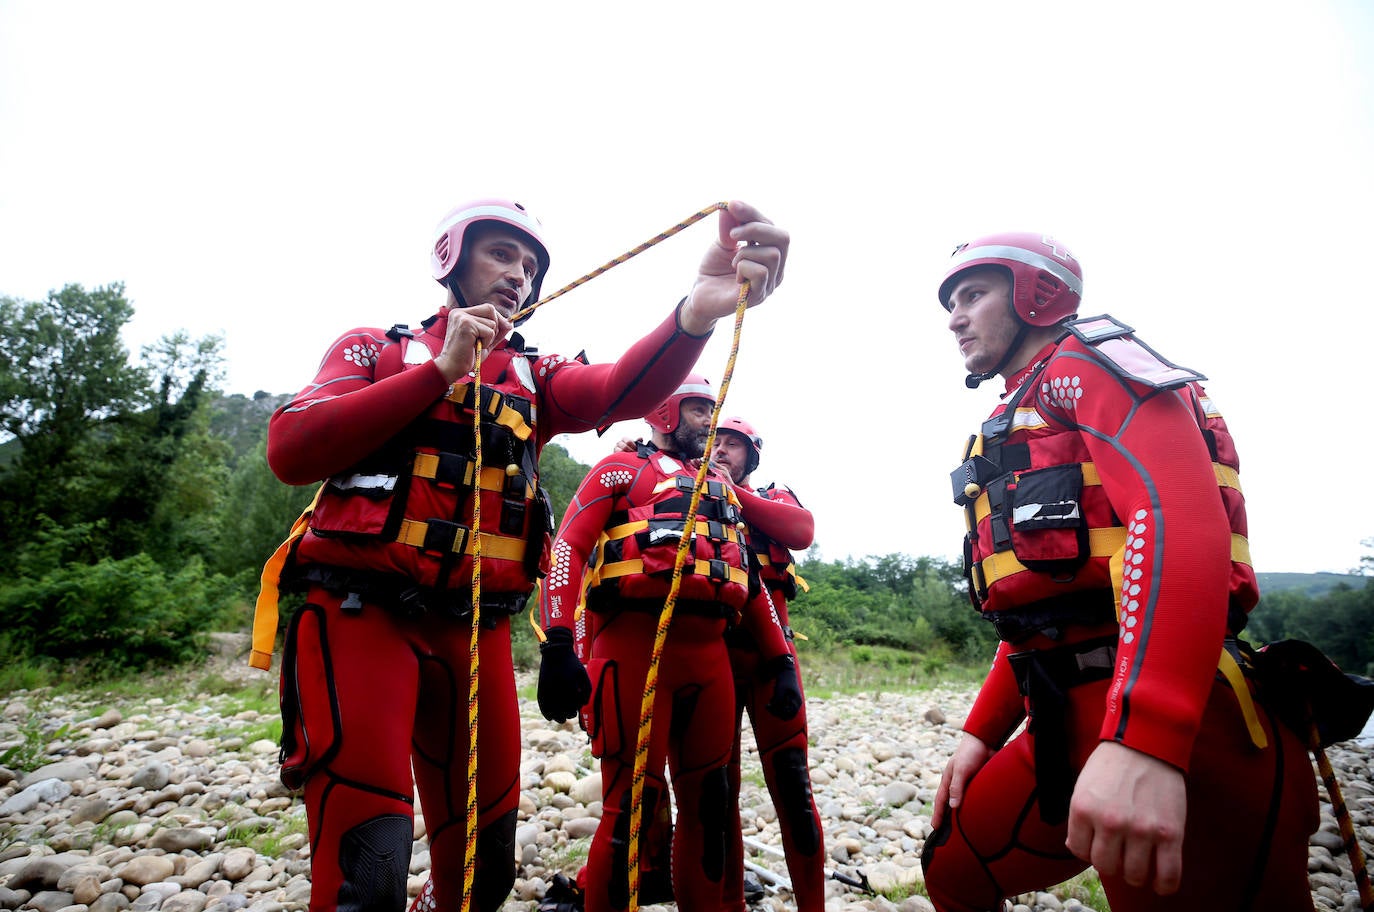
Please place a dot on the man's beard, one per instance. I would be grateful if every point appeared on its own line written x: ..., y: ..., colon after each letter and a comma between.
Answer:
x: 691, y: 444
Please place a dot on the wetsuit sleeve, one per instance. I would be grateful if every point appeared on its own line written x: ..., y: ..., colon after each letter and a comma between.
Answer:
x: 579, y: 397
x: 779, y: 515
x: 582, y: 525
x: 760, y: 618
x: 998, y: 708
x: 1156, y: 471
x: 346, y: 412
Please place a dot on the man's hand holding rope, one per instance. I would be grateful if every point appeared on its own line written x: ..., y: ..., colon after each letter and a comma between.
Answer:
x: 749, y: 248
x: 467, y: 326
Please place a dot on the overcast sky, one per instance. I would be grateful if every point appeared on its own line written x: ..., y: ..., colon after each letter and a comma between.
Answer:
x: 272, y: 172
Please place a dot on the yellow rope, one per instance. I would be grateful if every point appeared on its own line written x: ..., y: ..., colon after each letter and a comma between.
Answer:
x: 691, y: 220
x: 470, y: 821
x: 1343, y: 821
x: 646, y: 706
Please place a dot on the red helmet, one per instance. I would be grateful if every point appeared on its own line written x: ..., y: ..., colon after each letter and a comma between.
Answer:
x: 666, y: 415
x: 448, y: 236
x: 737, y: 425
x: 1046, y: 280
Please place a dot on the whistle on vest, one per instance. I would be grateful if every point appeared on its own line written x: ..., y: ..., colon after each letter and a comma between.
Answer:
x: 969, y: 480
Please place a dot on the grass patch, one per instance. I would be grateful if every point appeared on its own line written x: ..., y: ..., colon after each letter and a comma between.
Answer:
x: 570, y: 856
x: 846, y: 671
x: 32, y: 751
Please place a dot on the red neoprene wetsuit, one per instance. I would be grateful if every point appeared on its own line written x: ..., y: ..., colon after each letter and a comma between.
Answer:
x: 367, y: 690
x: 627, y: 508
x: 778, y: 523
x: 1167, y: 511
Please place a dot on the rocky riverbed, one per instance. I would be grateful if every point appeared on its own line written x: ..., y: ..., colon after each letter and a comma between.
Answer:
x: 174, y: 805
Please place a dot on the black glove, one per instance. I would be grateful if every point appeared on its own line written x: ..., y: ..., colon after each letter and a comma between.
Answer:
x: 563, y: 683
x: 787, y: 693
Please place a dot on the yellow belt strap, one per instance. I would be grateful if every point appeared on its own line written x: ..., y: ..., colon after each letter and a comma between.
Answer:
x: 1230, y: 669
x: 269, y: 591
x: 625, y: 530
x: 426, y: 465
x: 499, y: 547
x: 630, y: 567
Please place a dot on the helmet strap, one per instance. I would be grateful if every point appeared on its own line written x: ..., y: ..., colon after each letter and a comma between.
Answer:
x: 973, y: 380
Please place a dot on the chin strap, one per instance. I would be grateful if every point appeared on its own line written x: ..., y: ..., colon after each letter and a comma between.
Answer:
x: 972, y: 380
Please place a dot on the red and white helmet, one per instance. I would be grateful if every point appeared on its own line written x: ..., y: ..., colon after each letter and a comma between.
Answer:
x: 447, y: 251
x: 736, y: 425
x: 666, y: 415
x: 1046, y: 280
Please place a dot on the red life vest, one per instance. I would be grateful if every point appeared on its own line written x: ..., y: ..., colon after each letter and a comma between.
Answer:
x: 1040, y: 525
x: 636, y: 554
x: 407, y: 508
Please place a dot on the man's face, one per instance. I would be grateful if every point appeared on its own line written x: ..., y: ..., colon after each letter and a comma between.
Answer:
x: 499, y: 267
x: 731, y: 453
x: 693, y: 426
x: 981, y: 317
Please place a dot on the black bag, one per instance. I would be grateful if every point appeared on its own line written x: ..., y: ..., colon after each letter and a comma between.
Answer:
x: 1306, y: 688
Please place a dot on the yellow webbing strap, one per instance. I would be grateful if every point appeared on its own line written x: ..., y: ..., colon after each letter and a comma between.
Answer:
x: 269, y: 591
x: 500, y: 547
x: 703, y: 528
x: 496, y: 407
x: 791, y: 571
x: 426, y: 465
x: 1101, y: 543
x: 1230, y: 669
x: 636, y: 566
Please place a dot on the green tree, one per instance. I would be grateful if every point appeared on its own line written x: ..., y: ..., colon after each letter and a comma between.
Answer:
x: 63, y: 372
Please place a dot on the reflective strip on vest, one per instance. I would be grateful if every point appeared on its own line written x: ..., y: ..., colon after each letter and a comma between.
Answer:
x: 497, y: 547
x: 703, y: 528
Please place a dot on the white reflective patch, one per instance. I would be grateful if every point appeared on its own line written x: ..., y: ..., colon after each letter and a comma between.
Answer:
x: 1064, y: 509
x: 1027, y: 418
x: 522, y: 370
x: 365, y: 483
x: 416, y: 352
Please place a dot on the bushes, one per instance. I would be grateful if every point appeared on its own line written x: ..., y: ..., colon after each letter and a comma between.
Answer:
x: 113, y: 615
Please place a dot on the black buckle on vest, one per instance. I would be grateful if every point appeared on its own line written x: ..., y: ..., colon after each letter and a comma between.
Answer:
x: 719, y: 570
x: 444, y: 537
x: 715, y: 531
x: 452, y: 470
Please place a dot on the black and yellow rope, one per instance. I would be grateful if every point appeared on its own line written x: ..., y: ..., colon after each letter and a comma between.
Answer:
x: 470, y: 818
x: 1343, y: 821
x: 665, y: 619
x: 661, y: 236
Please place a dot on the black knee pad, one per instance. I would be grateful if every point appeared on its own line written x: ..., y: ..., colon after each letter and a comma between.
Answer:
x: 374, y: 858
x: 495, y: 873
x: 619, y: 888
x: 794, y: 785
x: 714, y: 812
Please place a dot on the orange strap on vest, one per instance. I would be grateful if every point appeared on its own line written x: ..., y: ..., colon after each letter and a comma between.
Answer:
x: 269, y: 592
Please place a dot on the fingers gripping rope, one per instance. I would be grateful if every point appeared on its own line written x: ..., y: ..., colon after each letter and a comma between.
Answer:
x: 646, y: 706
x: 470, y: 818
x: 663, y: 236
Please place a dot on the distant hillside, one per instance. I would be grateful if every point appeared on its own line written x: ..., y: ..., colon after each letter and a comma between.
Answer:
x: 1312, y: 584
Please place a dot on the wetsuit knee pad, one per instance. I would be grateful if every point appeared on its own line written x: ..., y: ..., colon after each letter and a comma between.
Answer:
x: 714, y: 813
x: 794, y: 785
x: 496, y: 872
x: 619, y: 889
x: 374, y: 859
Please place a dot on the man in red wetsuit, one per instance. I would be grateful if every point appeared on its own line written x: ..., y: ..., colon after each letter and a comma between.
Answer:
x: 777, y: 524
x: 376, y: 668
x: 1107, y: 544
x: 621, y: 533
